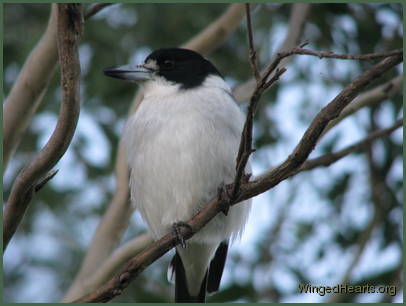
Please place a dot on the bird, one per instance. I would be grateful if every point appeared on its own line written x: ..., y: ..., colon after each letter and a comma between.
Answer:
x: 181, y: 145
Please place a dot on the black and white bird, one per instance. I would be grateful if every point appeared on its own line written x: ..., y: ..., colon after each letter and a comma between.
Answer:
x: 182, y: 144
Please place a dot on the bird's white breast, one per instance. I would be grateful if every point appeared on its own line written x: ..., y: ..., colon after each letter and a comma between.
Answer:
x: 181, y: 145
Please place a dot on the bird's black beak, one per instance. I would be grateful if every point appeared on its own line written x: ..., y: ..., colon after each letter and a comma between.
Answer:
x: 132, y: 73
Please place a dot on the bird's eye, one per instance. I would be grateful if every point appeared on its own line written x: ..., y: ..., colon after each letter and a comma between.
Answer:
x: 168, y: 64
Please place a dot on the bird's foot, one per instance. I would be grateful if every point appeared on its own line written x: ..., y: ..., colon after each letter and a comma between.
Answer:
x: 176, y: 229
x: 224, y: 193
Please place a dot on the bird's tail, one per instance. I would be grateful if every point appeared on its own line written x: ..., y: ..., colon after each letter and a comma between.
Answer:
x: 210, y: 282
x: 181, y: 288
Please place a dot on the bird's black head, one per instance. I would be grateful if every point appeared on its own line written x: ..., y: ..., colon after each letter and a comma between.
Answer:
x: 180, y: 66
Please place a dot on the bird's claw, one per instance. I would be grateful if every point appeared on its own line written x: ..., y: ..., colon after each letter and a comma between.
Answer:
x: 224, y: 193
x: 176, y: 229
x: 246, y: 177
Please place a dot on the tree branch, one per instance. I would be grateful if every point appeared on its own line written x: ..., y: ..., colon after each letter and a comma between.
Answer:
x: 252, y: 52
x: 309, y: 140
x: 30, y: 87
x: 281, y: 55
x: 69, y: 31
x: 313, y: 133
x: 109, y: 230
x: 218, y: 31
x: 110, y: 266
x: 94, y: 9
x: 328, y: 159
x: 369, y: 98
x: 245, y: 148
x: 297, y: 20
x: 369, y: 56
x: 377, y: 217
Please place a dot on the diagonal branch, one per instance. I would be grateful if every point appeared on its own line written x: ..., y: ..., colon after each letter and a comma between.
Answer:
x: 309, y: 140
x: 369, y: 98
x: 218, y: 31
x: 313, y: 133
x: 94, y: 9
x: 69, y: 30
x: 328, y: 159
x: 111, y: 265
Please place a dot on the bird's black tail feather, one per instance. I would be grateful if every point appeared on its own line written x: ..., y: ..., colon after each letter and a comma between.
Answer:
x: 211, y: 281
x: 181, y: 289
x: 216, y: 267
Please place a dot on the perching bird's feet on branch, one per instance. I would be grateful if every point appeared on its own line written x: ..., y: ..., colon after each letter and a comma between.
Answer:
x: 228, y: 194
x: 176, y: 230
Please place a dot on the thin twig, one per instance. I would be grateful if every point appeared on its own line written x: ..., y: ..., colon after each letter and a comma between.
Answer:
x: 252, y: 52
x: 369, y: 98
x: 248, y: 190
x: 245, y: 149
x: 94, y: 9
x: 297, y: 21
x: 346, y: 56
x: 69, y: 31
x: 328, y: 159
x: 283, y: 54
x: 45, y: 180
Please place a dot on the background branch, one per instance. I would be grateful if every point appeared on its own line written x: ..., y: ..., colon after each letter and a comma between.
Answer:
x: 69, y: 31
x: 29, y: 88
x: 94, y: 9
x: 379, y: 214
x: 252, y: 53
x: 369, y: 98
x: 108, y: 232
x: 115, y: 286
x: 297, y: 21
x: 328, y: 159
x: 31, y: 85
x: 218, y: 31
x: 119, y: 257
